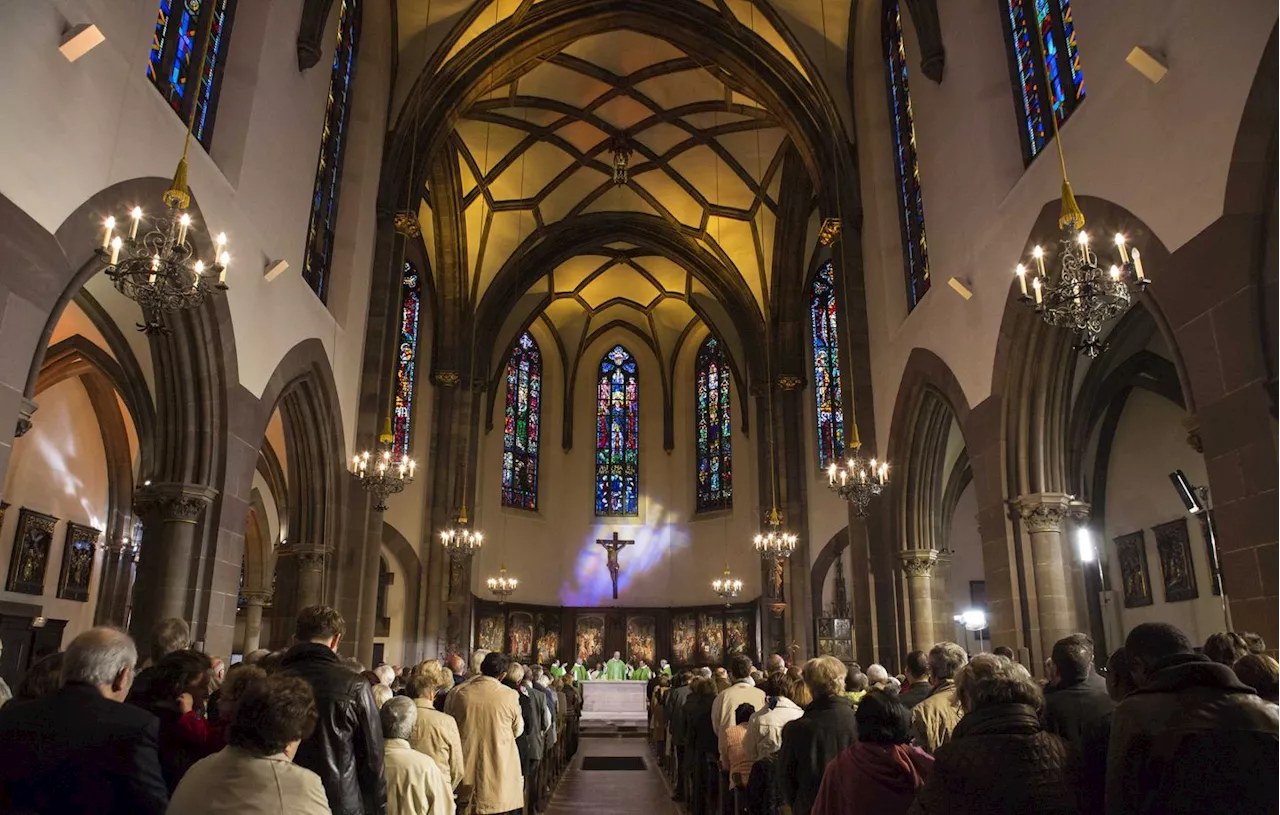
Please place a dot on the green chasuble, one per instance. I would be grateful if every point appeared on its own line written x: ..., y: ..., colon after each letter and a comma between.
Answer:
x: 666, y: 670
x: 642, y: 674
x: 615, y: 669
x: 580, y: 673
x: 557, y: 671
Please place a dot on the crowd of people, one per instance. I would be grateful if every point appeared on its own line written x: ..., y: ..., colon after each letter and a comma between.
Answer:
x: 1164, y: 728
x: 297, y: 732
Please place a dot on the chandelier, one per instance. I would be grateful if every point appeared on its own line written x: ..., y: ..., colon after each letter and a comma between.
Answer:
x: 858, y: 481
x: 460, y: 540
x: 621, y: 159
x: 502, y: 586
x: 155, y: 263
x: 727, y: 586
x: 383, y: 474
x: 1081, y: 295
x: 775, y: 541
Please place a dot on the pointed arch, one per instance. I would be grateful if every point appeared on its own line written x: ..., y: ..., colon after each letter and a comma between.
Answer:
x: 618, y: 434
x: 827, y: 386
x: 521, y: 429
x: 712, y: 428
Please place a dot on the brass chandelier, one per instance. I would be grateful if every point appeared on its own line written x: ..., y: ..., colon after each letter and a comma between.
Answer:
x: 727, y: 586
x: 1080, y: 295
x: 502, y: 586
x: 154, y: 263
x: 857, y: 480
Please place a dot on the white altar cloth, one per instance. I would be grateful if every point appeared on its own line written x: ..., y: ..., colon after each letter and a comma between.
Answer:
x: 619, y: 702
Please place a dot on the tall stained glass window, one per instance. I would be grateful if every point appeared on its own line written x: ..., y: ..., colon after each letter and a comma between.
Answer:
x: 826, y: 366
x: 406, y: 359
x: 906, y: 165
x: 317, y: 256
x: 176, y: 42
x: 521, y: 426
x: 618, y: 435
x: 1062, y: 61
x: 711, y: 411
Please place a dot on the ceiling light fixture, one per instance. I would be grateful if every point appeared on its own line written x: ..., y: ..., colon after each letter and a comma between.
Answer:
x: 621, y: 150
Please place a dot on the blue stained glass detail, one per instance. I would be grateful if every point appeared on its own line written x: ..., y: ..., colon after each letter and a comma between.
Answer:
x: 1066, y: 86
x: 173, y: 58
x: 209, y: 81
x: 521, y: 425
x: 317, y: 257
x: 618, y: 435
x: 906, y: 165
x: 826, y: 366
x: 158, y: 37
x: 713, y: 428
x: 406, y: 361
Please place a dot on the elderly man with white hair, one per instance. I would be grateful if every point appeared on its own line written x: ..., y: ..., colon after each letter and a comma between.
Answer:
x: 386, y: 674
x: 81, y: 749
x: 415, y: 785
x: 877, y: 676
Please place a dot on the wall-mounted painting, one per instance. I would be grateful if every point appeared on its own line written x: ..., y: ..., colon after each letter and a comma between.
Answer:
x: 1131, y: 551
x: 590, y: 640
x: 548, y: 638
x: 711, y: 637
x: 77, y: 562
x: 640, y: 639
x: 30, y: 552
x: 684, y: 638
x: 489, y: 633
x: 1174, y: 545
x: 520, y: 635
x: 738, y: 634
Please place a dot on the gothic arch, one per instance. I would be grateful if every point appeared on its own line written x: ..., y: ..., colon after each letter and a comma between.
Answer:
x: 409, y: 566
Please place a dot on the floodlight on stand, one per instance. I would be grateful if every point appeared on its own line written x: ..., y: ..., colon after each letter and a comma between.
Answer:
x: 972, y: 619
x: 1084, y: 545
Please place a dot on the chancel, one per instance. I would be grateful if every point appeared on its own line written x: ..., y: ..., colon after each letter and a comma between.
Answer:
x: 571, y: 373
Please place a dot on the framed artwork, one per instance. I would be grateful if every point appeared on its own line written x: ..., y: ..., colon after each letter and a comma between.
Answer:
x: 30, y: 552
x: 684, y: 638
x: 520, y: 635
x: 77, y: 562
x: 489, y: 636
x: 548, y: 638
x: 711, y: 638
x: 589, y: 634
x: 737, y: 634
x: 640, y: 637
x: 1207, y: 532
x: 1131, y: 551
x: 1173, y: 542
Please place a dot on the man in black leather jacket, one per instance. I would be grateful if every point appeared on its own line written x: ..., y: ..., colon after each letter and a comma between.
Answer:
x: 346, y: 748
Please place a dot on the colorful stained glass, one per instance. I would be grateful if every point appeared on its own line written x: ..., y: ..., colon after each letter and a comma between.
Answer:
x: 714, y: 452
x: 406, y: 361
x: 826, y: 366
x: 179, y: 34
x: 522, y: 424
x: 906, y: 165
x: 1061, y: 64
x: 317, y: 256
x: 618, y: 435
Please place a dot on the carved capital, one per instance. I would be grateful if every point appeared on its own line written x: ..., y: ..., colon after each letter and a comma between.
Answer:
x: 313, y: 561
x: 1048, y: 511
x: 1192, y: 425
x: 256, y: 597
x: 179, y: 503
x: 446, y: 379
x: 25, y: 411
x: 309, y: 555
x: 406, y: 223
x: 918, y: 562
x: 790, y: 382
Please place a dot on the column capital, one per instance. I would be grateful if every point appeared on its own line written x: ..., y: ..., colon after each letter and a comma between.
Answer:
x: 25, y: 411
x: 918, y: 562
x: 305, y: 551
x: 1049, y: 511
x: 174, y: 502
x: 256, y: 597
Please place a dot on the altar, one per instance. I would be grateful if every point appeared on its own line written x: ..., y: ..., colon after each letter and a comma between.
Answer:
x: 618, y: 703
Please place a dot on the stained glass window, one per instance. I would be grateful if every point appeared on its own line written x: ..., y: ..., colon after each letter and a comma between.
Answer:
x: 618, y: 435
x: 1062, y: 64
x: 406, y: 360
x: 333, y: 140
x: 520, y: 429
x: 176, y: 43
x: 906, y: 165
x: 826, y: 366
x: 714, y: 452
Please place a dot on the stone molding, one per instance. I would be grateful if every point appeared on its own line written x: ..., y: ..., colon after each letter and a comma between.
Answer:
x: 918, y: 562
x: 790, y: 382
x: 1049, y: 511
x: 25, y: 411
x: 180, y: 503
x: 446, y: 379
x: 256, y: 597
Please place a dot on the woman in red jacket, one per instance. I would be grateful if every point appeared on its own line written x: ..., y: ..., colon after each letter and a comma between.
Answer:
x: 880, y: 773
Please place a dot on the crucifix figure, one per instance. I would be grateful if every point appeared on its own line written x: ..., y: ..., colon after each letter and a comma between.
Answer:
x: 612, y: 545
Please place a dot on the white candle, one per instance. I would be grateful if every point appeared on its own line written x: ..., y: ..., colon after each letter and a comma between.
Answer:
x: 221, y: 241
x: 1021, y: 272
x: 1038, y: 254
x: 1115, y: 272
x: 110, y: 225
x: 1124, y: 251
x: 155, y: 269
x: 136, y: 219
x: 183, y: 223
x: 224, y: 260
x: 1083, y: 238
x: 116, y: 243
x: 1035, y: 284
x: 199, y: 271
x: 1137, y: 264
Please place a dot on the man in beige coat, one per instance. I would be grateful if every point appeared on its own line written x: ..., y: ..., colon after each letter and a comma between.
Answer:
x: 435, y: 734
x: 415, y: 785
x: 489, y: 720
x: 742, y: 691
x: 933, y: 719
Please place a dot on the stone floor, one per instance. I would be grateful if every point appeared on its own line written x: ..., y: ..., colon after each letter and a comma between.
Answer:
x: 613, y: 793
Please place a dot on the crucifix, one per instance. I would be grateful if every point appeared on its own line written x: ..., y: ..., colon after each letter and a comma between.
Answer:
x: 612, y: 545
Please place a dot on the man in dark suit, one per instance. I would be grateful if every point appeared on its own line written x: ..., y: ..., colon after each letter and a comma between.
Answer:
x: 917, y: 687
x: 1078, y: 708
x: 80, y: 749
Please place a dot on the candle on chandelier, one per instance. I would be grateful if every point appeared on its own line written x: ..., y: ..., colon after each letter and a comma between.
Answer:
x: 183, y: 223
x: 116, y: 243
x: 1137, y: 264
x: 1124, y: 251
x: 155, y: 269
x: 412, y: 464
x: 1115, y: 272
x: 355, y: 464
x: 1038, y: 254
x: 1035, y: 284
x: 220, y: 242
x: 1083, y: 238
x: 224, y: 260
x: 1021, y: 272
x: 110, y: 225
x: 199, y: 272
x: 135, y: 218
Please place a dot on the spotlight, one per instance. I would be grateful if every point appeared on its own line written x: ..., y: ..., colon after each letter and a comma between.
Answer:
x: 1191, y: 496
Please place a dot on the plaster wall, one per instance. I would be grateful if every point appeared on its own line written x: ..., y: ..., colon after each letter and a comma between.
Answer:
x: 966, y: 557
x: 58, y: 468
x: 677, y: 551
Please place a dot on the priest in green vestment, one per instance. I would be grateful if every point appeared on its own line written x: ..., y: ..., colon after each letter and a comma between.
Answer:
x: 615, y: 668
x: 557, y: 670
x: 664, y: 667
x: 642, y: 673
x: 580, y: 673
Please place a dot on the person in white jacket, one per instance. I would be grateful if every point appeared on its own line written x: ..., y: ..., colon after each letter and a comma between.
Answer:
x: 764, y: 729
x: 415, y: 785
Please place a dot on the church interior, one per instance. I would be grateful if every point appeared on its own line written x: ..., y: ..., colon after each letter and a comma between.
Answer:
x: 677, y: 328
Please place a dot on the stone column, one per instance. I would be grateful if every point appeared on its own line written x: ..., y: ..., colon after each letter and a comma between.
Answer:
x: 116, y: 583
x: 944, y: 605
x: 254, y: 601
x: 1044, y: 517
x: 310, y: 577
x: 165, y: 585
x: 917, y: 565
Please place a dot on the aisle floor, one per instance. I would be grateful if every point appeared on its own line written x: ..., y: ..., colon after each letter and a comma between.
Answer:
x: 630, y: 792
